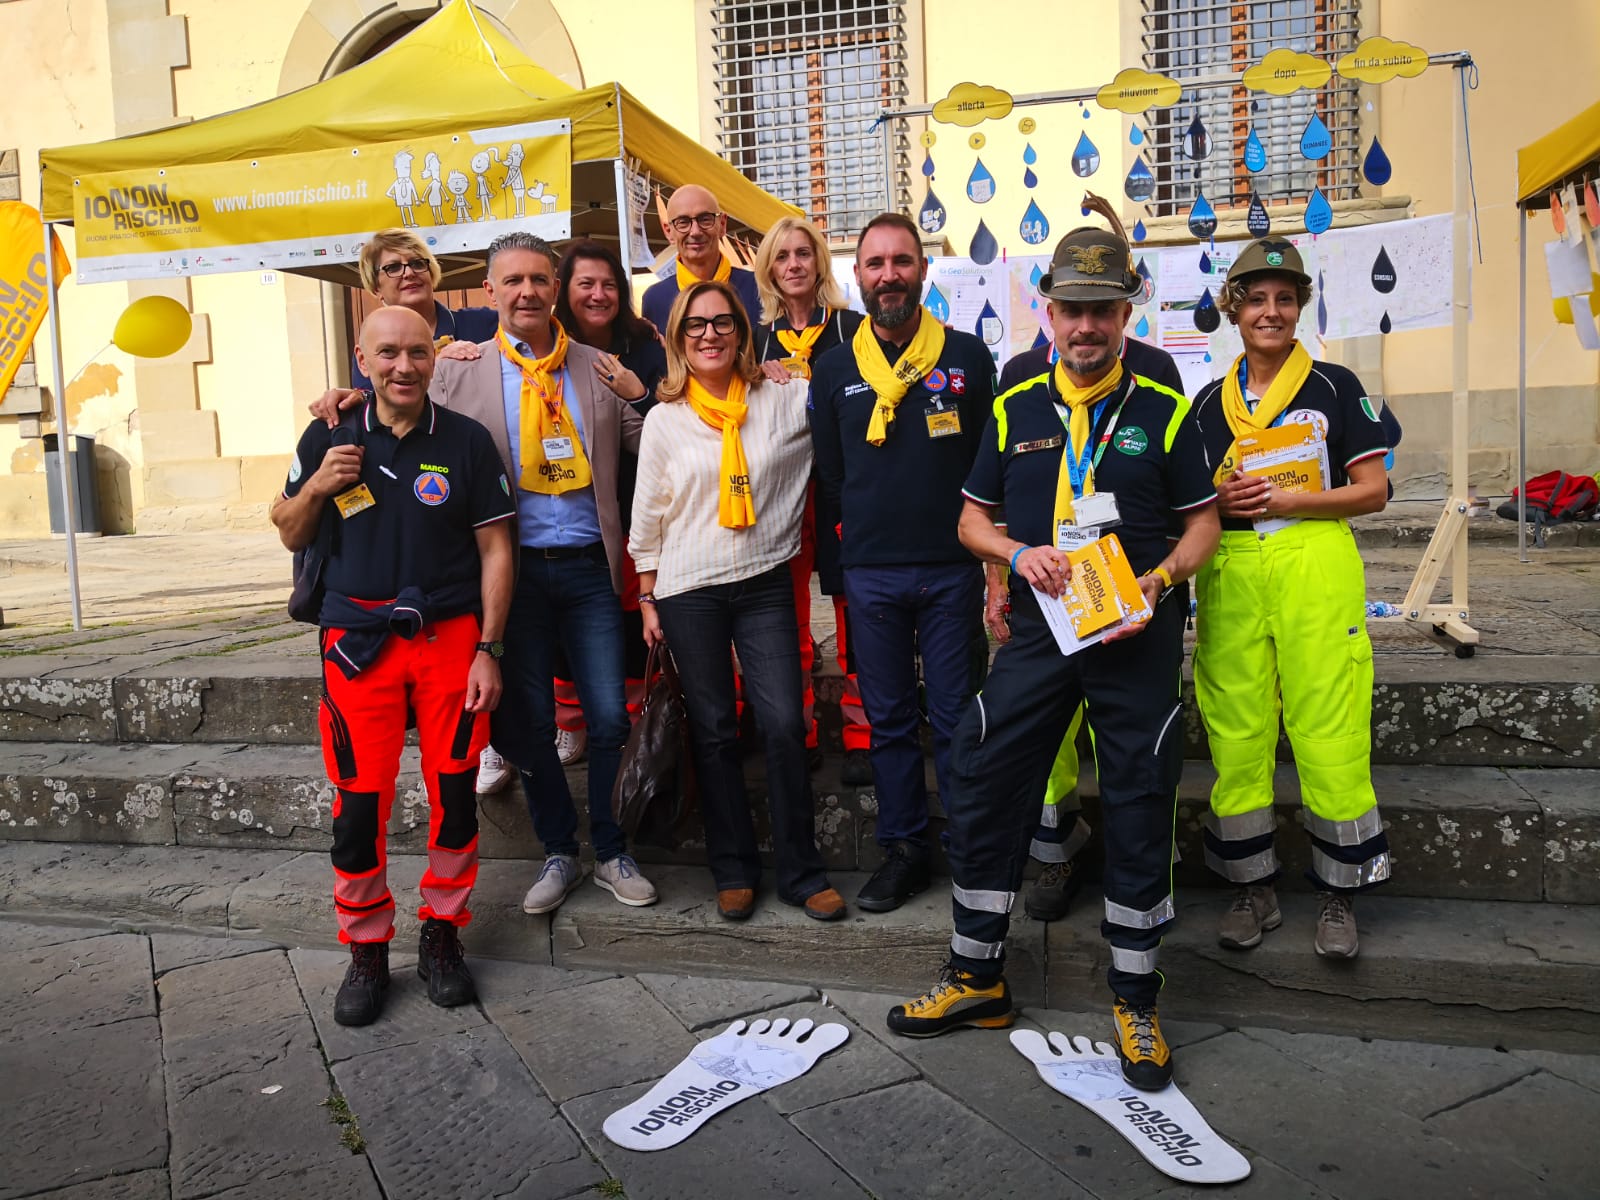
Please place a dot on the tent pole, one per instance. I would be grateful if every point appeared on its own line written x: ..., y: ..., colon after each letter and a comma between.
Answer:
x: 63, y: 427
x: 889, y: 198
x: 624, y: 247
x: 1522, y: 382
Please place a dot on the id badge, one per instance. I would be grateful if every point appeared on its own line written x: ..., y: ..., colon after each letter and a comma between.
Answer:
x: 797, y: 367
x: 1070, y: 537
x: 945, y: 422
x: 557, y: 448
x: 1097, y: 508
x: 355, y: 500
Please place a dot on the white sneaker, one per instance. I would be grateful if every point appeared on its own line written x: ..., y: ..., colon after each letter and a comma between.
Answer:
x: 571, y: 745
x: 560, y: 875
x: 620, y: 876
x: 493, y: 772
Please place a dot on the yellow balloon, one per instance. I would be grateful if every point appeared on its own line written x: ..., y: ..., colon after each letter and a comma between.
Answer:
x: 153, y: 327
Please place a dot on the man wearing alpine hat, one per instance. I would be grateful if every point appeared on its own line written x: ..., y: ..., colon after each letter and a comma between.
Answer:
x: 1083, y: 451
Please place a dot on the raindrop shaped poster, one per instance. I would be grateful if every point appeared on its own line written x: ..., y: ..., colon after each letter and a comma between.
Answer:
x: 1315, y: 142
x: 1196, y: 141
x: 1383, y: 273
x: 980, y: 184
x: 1085, y: 157
x: 1034, y: 228
x: 990, y: 327
x: 937, y: 303
x: 1202, y: 217
x: 931, y: 215
x: 1375, y: 167
x: 984, y: 246
x: 1139, y: 232
x: 1319, y: 213
x: 1206, y: 317
x: 1256, y: 220
x: 1255, y: 154
x: 1140, y: 184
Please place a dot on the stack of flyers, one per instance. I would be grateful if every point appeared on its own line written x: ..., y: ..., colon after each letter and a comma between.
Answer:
x: 1294, y: 457
x: 1101, y: 597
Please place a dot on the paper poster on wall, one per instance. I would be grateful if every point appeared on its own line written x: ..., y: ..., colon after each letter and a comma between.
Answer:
x: 1419, y: 251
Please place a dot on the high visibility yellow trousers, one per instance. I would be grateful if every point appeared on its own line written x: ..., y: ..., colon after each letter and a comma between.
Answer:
x: 1281, y: 624
x: 1062, y: 830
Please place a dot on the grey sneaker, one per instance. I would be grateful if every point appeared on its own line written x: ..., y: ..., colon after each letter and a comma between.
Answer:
x: 620, y: 876
x: 560, y: 875
x: 1254, y: 911
x: 571, y: 745
x: 1336, y: 926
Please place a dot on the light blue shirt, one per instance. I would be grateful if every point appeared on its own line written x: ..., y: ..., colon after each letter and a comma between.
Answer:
x: 570, y: 519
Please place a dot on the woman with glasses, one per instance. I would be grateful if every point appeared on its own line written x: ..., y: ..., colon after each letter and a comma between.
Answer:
x: 594, y: 304
x: 723, y: 467
x: 398, y: 268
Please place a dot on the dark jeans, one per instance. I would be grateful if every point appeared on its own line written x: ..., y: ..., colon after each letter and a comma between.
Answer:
x: 566, y: 602
x: 897, y: 612
x: 757, y: 616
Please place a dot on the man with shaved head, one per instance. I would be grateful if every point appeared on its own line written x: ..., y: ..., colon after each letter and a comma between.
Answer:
x: 696, y: 226
x: 411, y: 509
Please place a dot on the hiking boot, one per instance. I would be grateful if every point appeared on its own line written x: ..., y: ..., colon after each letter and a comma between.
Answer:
x: 620, y: 876
x: 1336, y: 926
x: 1052, y: 893
x: 1254, y: 911
x: 493, y: 772
x: 571, y: 745
x: 1146, y: 1060
x: 959, y: 998
x: 857, y: 769
x: 439, y: 962
x: 903, y: 873
x: 560, y: 875
x: 366, y: 979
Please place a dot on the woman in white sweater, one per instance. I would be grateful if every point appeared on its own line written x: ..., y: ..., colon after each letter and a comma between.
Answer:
x: 723, y: 466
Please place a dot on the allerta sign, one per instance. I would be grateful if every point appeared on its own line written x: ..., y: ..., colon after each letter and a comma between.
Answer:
x: 456, y: 191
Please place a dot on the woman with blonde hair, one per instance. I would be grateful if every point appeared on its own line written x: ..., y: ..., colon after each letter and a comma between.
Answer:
x: 723, y: 466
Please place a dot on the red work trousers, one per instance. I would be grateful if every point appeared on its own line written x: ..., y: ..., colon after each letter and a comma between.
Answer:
x: 857, y: 729
x: 363, y: 723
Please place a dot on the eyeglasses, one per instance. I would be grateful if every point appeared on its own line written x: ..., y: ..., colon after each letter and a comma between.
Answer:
x: 395, y: 269
x: 706, y: 220
x: 722, y: 323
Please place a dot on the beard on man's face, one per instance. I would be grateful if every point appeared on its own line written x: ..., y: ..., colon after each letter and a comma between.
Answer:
x: 1089, y: 358
x: 890, y: 305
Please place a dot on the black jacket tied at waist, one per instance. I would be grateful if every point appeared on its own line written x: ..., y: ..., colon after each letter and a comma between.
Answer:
x: 367, y: 628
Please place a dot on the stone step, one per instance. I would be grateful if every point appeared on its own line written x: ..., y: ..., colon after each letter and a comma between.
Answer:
x: 1481, y: 972
x: 1482, y: 833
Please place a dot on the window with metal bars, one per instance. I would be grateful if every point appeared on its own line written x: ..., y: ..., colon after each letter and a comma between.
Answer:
x: 799, y: 85
x: 1192, y: 39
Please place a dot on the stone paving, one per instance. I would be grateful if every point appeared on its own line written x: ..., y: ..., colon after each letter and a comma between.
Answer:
x: 167, y: 1066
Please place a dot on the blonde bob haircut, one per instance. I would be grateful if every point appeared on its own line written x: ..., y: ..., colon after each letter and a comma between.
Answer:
x: 1232, y: 295
x: 828, y: 293
x: 676, y: 383
x: 402, y: 242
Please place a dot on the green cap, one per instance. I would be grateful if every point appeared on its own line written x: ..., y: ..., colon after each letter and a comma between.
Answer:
x: 1269, y: 254
x: 1090, y: 264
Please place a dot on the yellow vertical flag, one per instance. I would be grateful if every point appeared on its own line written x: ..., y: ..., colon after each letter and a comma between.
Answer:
x: 24, y: 288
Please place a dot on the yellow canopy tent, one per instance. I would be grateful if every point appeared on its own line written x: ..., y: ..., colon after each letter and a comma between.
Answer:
x: 453, y: 72
x: 1569, y: 153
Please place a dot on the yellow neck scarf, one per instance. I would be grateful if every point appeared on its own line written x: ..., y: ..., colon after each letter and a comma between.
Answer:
x: 1079, y: 430
x: 891, y: 383
x: 1280, y: 394
x: 687, y: 278
x: 544, y: 415
x: 736, y: 507
x: 799, y: 344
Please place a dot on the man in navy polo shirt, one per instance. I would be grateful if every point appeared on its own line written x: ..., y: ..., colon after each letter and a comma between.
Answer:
x: 418, y: 583
x: 896, y: 416
x: 696, y: 226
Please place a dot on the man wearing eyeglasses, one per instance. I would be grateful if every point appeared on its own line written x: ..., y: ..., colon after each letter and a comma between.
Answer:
x: 399, y: 270
x: 696, y: 226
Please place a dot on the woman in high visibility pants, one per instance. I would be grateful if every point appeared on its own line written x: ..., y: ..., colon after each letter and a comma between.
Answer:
x: 1282, y: 611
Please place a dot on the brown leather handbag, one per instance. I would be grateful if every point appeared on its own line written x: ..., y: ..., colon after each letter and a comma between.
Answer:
x: 654, y: 795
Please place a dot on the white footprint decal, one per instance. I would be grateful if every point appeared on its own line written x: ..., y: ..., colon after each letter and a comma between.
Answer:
x: 740, y: 1062
x: 1163, y: 1126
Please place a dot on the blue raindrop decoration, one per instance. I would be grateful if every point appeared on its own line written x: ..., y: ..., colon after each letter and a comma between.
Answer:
x: 1135, y: 136
x: 1316, y: 141
x: 1029, y: 154
x: 1196, y: 141
x: 984, y: 248
x: 1142, y: 270
x: 1140, y: 184
x: 1256, y: 220
x: 1142, y: 329
x: 927, y: 164
x: 1147, y: 288
x: 930, y: 217
x: 980, y: 184
x: 989, y: 327
x: 1035, y: 227
x: 1139, y: 231
x: 937, y: 304
x: 1207, y: 357
x: 1255, y: 154
x: 1385, y: 325
x: 1205, y: 263
x: 1035, y: 275
x: 1206, y: 317
x: 1039, y: 340
x: 1029, y: 179
x: 1085, y: 157
x: 1322, y: 308
x: 1029, y: 157
x: 1319, y: 213
x: 1383, y: 273
x: 1376, y: 166
x: 1202, y: 217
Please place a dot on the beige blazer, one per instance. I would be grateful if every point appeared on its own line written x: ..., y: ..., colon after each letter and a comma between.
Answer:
x: 473, y: 389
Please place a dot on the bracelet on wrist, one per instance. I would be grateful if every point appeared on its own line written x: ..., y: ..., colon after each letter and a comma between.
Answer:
x: 1162, y: 574
x: 647, y: 597
x: 1020, y: 551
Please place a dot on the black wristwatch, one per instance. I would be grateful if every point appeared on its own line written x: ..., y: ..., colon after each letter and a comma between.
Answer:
x: 495, y: 650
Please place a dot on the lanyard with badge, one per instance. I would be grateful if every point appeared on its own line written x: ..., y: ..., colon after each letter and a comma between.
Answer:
x: 1092, y: 512
x: 558, y: 447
